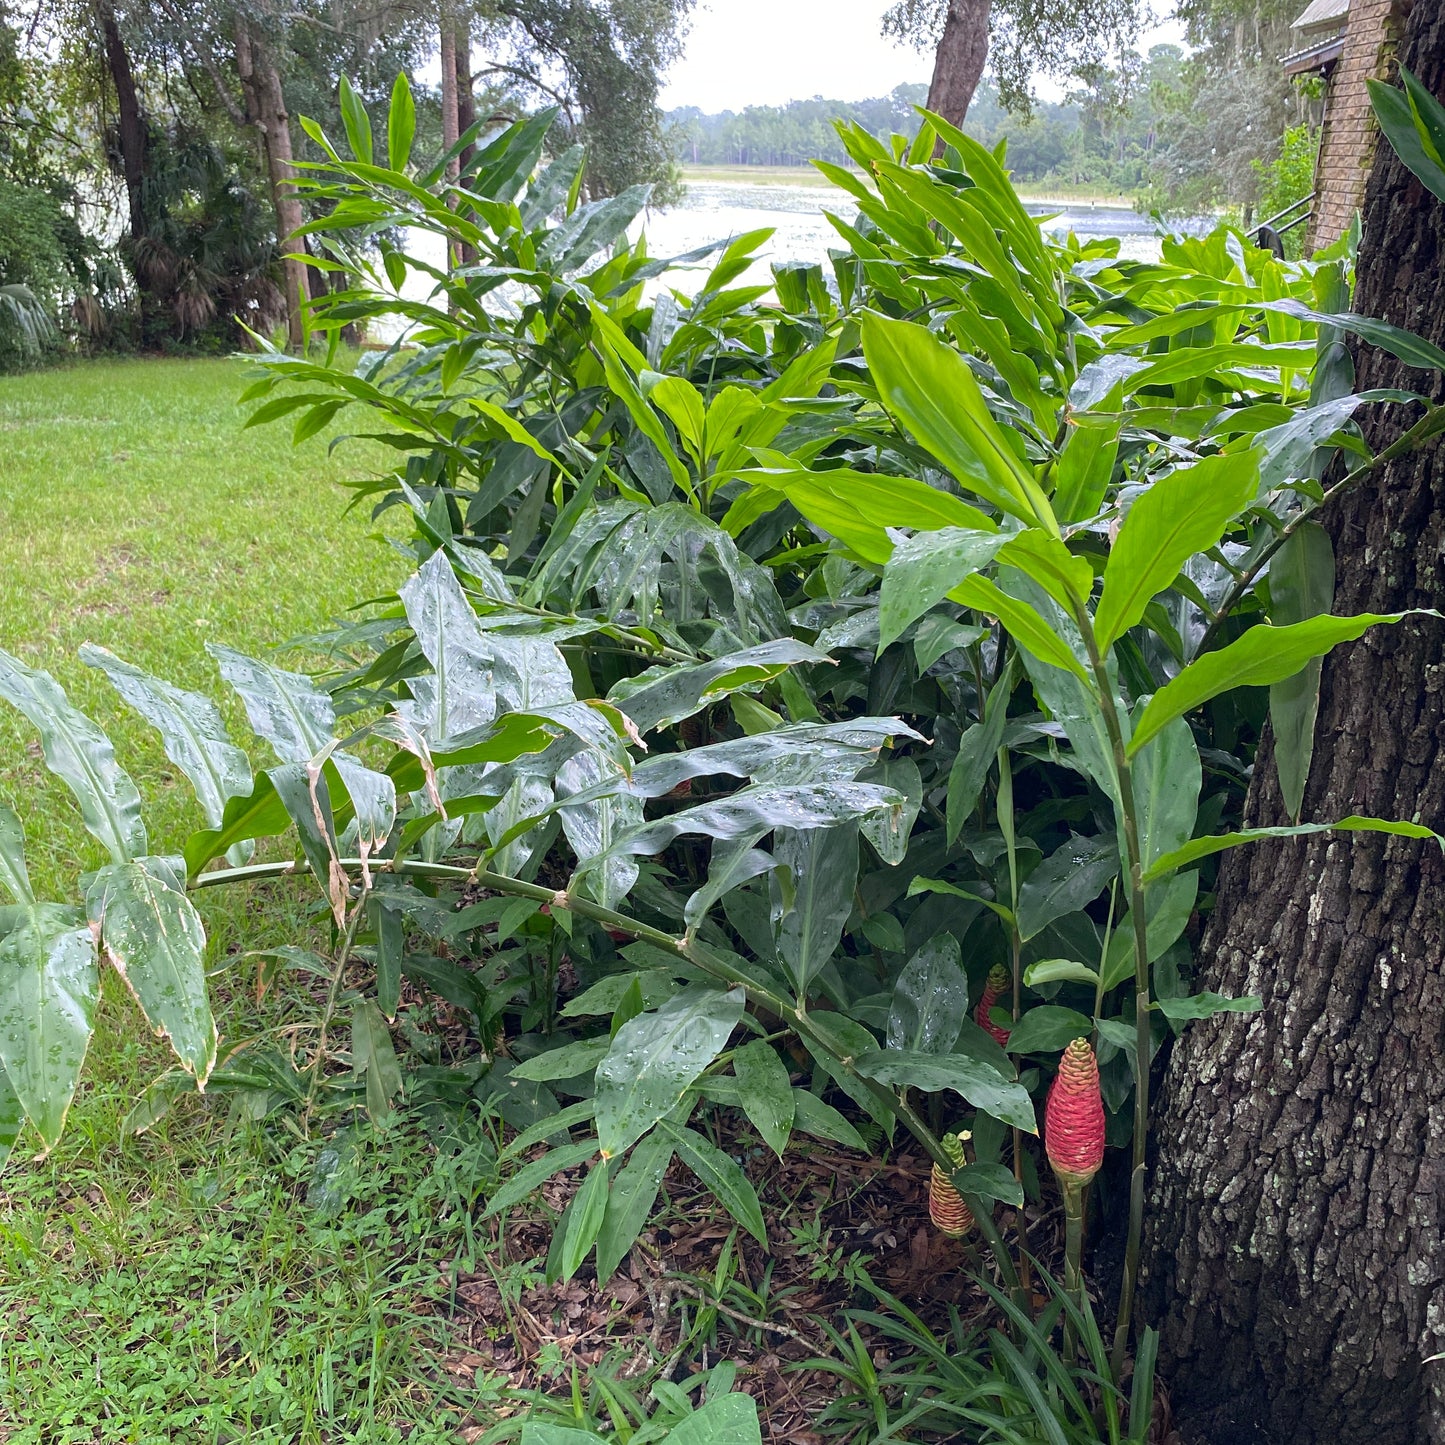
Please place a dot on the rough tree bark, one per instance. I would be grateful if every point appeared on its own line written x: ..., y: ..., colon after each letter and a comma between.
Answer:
x: 466, y: 111
x: 129, y: 122
x: 1298, y: 1238
x: 959, y: 60
x: 266, y: 105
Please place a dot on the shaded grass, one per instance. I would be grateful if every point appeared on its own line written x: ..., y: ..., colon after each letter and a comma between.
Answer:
x: 176, y: 1285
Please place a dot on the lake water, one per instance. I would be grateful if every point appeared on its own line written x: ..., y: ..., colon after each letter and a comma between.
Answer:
x: 718, y: 210
x: 715, y: 209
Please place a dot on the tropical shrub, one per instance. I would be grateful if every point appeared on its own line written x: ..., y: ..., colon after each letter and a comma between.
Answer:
x: 781, y: 666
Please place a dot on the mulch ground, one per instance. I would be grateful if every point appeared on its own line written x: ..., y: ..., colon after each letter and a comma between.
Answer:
x: 821, y: 1206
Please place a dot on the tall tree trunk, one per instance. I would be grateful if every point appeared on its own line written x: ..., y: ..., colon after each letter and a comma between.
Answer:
x: 131, y: 124
x: 466, y: 110
x: 450, y: 131
x: 1298, y: 1238
x: 959, y: 60
x: 466, y: 99
x: 266, y: 102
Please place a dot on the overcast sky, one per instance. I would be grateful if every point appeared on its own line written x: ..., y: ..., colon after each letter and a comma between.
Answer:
x: 768, y: 52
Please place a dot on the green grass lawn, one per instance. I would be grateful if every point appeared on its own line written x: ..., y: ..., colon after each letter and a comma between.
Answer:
x: 176, y: 1285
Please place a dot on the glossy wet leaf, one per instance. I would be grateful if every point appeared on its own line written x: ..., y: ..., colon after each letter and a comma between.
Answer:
x: 1205, y: 1005
x: 654, y: 1058
x: 981, y: 1084
x: 812, y: 1116
x: 191, y: 730
x: 589, y: 1206
x: 1301, y: 585
x: 1167, y: 778
x: 1047, y: 1027
x: 567, y: 1062
x: 13, y: 874
x: 930, y: 999
x: 634, y: 1192
x: 1067, y: 880
x: 49, y: 988
x: 1182, y: 513
x: 722, y: 1176
x: 154, y: 939
x: 730, y: 1419
x: 1168, y: 906
x: 930, y: 390
x: 374, y: 1056
x: 989, y: 1181
x: 531, y: 1176
x: 257, y: 814
x: 765, y: 1092
x: 12, y: 1117
x: 1263, y: 655
x: 1217, y: 842
x: 665, y: 695
x: 822, y: 869
x: 81, y: 756
x: 1060, y: 970
x: 285, y: 708
x: 1023, y: 623
x: 924, y: 569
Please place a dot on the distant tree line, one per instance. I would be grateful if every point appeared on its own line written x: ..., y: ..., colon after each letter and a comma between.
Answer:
x: 1105, y: 133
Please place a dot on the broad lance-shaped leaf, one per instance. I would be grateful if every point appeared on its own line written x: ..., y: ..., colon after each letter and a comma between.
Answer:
x: 285, y: 708
x: 654, y: 1058
x: 450, y: 638
x: 592, y: 827
x: 924, y: 569
x: 1414, y: 122
x: 981, y: 1084
x: 1068, y: 880
x: 930, y: 999
x: 1301, y: 585
x: 192, y: 733
x: 822, y: 869
x: 1262, y: 656
x: 634, y: 1191
x: 1167, y: 777
x: 730, y: 1419
x: 1218, y: 842
x: 817, y: 805
x: 155, y: 939
x: 664, y: 695
x: 81, y: 756
x: 1181, y: 514
x: 12, y: 1116
x: 765, y: 1092
x: 13, y: 873
x: 734, y: 861
x: 721, y: 1174
x: 49, y: 988
x: 929, y: 388
x: 1023, y: 623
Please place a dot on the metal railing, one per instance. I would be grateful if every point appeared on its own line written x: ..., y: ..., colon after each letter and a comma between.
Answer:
x: 1269, y: 235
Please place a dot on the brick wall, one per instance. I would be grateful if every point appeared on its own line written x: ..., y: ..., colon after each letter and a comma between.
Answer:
x: 1347, y: 144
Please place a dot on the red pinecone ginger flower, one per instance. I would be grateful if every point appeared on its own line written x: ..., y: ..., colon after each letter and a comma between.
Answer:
x: 1074, y: 1117
x: 950, y: 1215
x: 998, y: 983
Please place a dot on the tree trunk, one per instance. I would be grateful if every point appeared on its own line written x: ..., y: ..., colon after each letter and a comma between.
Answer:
x: 266, y: 101
x: 466, y: 100
x: 1298, y: 1235
x: 958, y: 63
x: 466, y: 112
x: 131, y: 124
